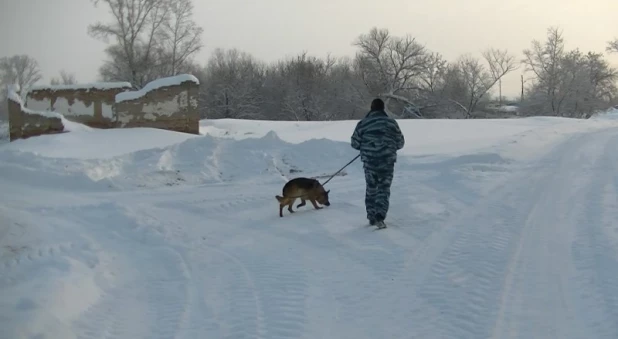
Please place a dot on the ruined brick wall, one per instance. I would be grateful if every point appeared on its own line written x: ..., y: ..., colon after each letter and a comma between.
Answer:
x: 25, y: 123
x: 168, y: 103
x: 89, y: 104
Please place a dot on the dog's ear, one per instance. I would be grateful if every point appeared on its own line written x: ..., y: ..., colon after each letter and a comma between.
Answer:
x: 327, y: 191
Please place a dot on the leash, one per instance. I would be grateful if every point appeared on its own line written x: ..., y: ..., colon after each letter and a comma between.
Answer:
x: 342, y: 168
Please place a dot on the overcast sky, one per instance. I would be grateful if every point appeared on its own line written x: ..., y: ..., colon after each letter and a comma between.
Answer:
x: 55, y: 31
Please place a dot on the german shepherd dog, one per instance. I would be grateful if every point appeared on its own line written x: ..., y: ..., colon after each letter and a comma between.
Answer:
x: 305, y: 189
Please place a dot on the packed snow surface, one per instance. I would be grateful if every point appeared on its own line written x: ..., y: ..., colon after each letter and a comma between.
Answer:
x: 155, y: 84
x: 497, y: 229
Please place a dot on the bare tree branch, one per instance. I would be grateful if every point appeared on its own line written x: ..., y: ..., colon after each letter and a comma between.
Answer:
x: 20, y: 70
x: 612, y: 46
x: 65, y: 79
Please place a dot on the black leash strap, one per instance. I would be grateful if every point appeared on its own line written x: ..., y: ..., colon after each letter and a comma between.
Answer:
x: 348, y: 164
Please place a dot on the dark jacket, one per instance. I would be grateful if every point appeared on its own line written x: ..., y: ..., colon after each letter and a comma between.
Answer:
x: 378, y: 138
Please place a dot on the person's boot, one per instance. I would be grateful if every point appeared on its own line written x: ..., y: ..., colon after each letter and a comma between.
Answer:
x: 380, y: 221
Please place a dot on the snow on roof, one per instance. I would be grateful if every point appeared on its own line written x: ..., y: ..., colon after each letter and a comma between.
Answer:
x: 91, y: 85
x: 13, y: 96
x: 163, y: 82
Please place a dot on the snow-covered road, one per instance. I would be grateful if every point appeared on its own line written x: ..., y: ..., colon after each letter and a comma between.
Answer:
x: 478, y: 246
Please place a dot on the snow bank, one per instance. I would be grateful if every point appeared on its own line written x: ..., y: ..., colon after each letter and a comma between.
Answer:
x: 153, y: 85
x: 194, y: 161
x: 235, y: 151
x: 83, y: 86
x: 89, y: 143
x: 424, y: 138
x: 209, y: 160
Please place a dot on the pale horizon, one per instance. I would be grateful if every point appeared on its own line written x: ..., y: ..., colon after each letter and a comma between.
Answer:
x: 55, y: 32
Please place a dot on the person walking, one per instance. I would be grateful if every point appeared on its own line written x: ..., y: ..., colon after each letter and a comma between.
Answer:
x: 378, y: 138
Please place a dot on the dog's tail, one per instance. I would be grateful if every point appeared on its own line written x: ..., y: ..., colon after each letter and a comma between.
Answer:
x: 279, y: 198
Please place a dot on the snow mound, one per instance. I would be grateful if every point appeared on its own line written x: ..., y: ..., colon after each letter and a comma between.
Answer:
x: 455, y: 136
x: 155, y: 84
x: 90, y: 143
x: 195, y: 161
x: 212, y: 160
x: 208, y: 160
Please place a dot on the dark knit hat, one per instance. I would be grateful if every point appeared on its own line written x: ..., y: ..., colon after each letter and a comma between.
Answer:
x: 377, y: 105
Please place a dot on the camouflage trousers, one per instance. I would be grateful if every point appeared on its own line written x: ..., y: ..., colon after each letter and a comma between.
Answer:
x: 378, y: 192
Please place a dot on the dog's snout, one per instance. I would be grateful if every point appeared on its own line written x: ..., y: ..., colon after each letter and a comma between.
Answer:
x: 327, y: 203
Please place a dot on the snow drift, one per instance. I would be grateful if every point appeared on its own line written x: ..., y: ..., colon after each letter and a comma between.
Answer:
x: 194, y: 161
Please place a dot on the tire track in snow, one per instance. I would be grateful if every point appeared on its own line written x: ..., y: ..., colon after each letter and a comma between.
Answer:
x: 595, y: 257
x: 224, y: 301
x: 257, y: 295
x: 144, y: 287
x: 464, y: 282
x: 470, y: 263
x: 283, y: 286
x: 368, y: 253
x: 240, y: 314
x: 278, y: 276
x: 375, y: 264
x: 332, y: 267
x: 277, y: 283
x: 537, y: 293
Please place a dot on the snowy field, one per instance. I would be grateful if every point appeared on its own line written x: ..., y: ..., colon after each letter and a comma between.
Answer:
x: 497, y: 229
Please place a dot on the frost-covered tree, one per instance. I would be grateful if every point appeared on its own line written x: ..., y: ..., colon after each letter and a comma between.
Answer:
x: 231, y: 86
x: 391, y: 66
x: 567, y: 83
x: 612, y: 46
x: 181, y: 37
x: 543, y: 61
x: 65, y: 79
x: 469, y: 80
x: 150, y: 39
x: 414, y: 82
x: 21, y: 70
x: 587, y: 83
x: 135, y: 31
x: 306, y: 89
x: 500, y: 63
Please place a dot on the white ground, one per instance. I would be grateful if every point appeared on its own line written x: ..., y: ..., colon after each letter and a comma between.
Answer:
x: 497, y: 229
